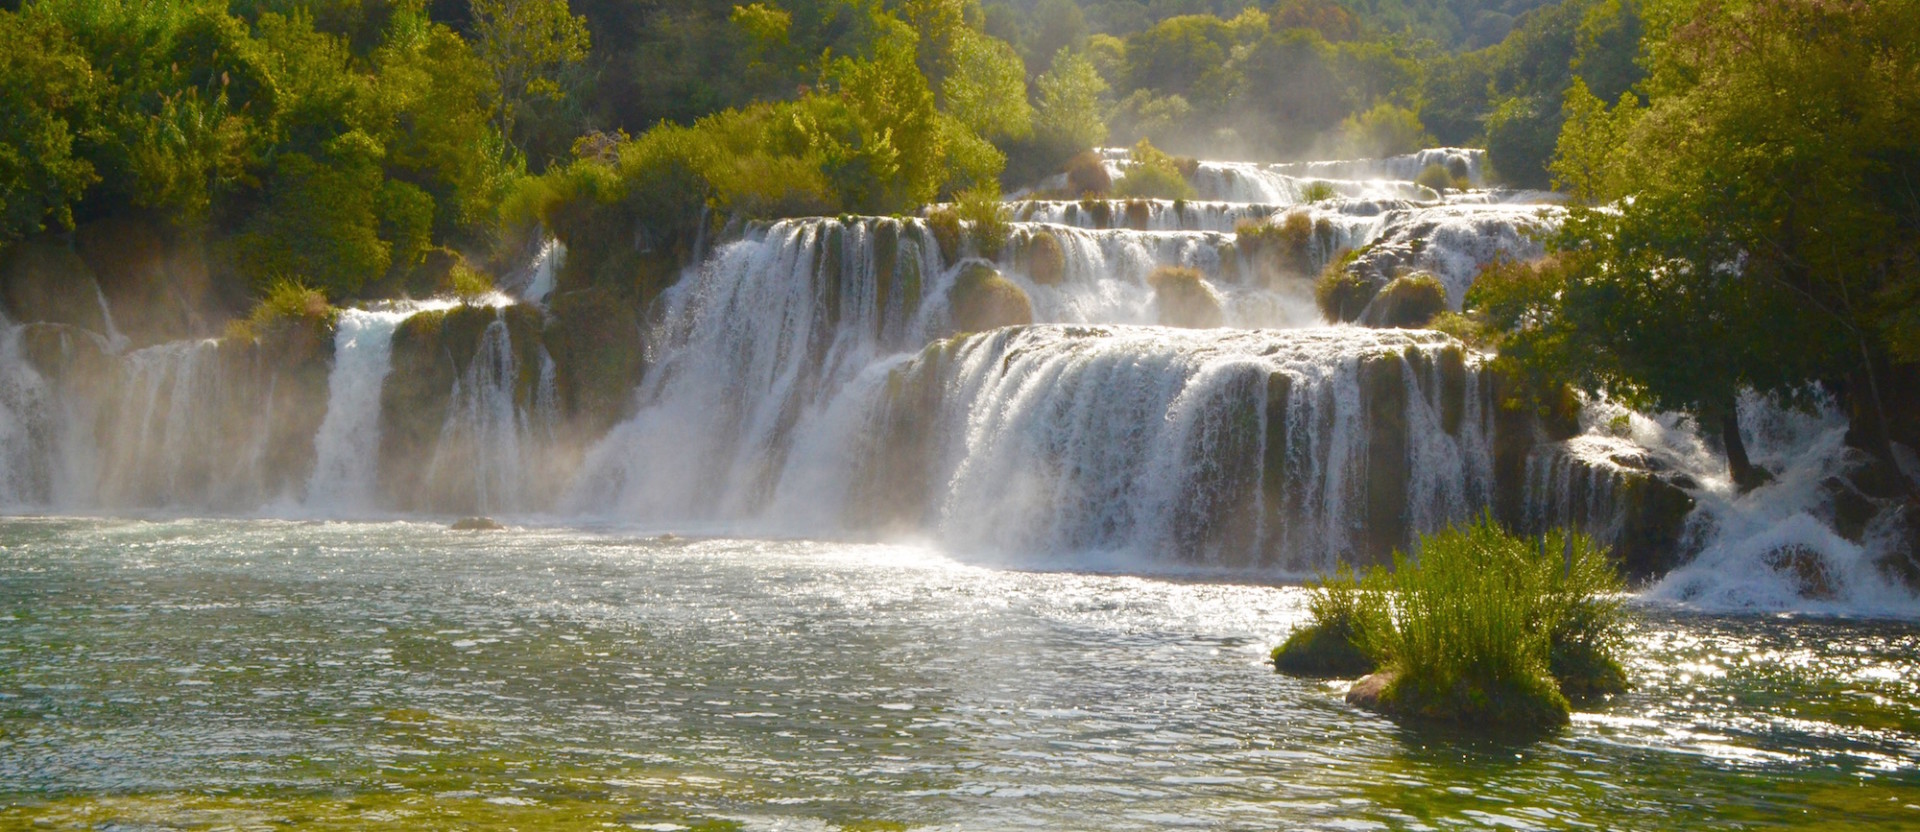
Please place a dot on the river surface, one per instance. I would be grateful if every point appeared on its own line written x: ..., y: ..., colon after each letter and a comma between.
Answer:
x: 243, y: 674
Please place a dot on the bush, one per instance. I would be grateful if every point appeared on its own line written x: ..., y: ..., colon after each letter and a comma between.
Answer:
x: 1087, y: 176
x: 1341, y: 293
x: 1341, y: 608
x: 1318, y: 192
x: 1184, y: 298
x: 986, y: 217
x: 1289, y: 242
x: 1153, y: 175
x: 470, y: 285
x: 286, y: 303
x: 1407, y: 302
x: 1484, y: 627
x: 1437, y: 177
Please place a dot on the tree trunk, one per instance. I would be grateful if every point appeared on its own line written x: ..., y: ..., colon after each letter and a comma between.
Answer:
x: 1746, y: 475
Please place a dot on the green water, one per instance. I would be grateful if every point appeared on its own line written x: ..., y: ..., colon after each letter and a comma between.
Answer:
x: 267, y: 675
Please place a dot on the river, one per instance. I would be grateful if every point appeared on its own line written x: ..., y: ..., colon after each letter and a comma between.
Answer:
x: 256, y: 674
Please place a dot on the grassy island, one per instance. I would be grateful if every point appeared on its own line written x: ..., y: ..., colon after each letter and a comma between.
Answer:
x: 1483, y: 627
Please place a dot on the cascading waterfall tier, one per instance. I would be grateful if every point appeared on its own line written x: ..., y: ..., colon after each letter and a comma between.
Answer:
x: 1220, y: 448
x: 810, y: 377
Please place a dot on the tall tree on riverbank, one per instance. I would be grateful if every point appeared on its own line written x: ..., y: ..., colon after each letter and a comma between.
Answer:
x: 1767, y: 233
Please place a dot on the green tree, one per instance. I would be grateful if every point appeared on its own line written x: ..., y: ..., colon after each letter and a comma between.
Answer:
x: 1771, y: 239
x: 525, y: 44
x: 50, y: 94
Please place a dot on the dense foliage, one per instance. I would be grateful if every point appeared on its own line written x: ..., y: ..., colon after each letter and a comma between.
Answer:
x: 1482, y: 626
x: 1766, y: 234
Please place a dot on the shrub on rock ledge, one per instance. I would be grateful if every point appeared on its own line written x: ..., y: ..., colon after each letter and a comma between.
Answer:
x: 981, y: 299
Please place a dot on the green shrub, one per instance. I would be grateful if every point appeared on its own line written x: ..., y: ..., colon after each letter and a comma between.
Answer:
x: 1153, y: 175
x: 1484, y: 627
x: 286, y: 303
x: 986, y: 218
x: 470, y: 285
x: 1440, y: 179
x: 1341, y: 293
x: 1289, y: 242
x: 1341, y: 608
x: 1318, y: 192
x: 1467, y: 328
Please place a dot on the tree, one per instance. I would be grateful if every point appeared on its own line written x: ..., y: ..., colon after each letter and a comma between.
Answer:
x: 48, y: 91
x: 1772, y: 237
x: 524, y: 44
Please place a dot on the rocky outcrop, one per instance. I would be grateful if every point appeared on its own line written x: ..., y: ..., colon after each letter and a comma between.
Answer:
x: 46, y: 282
x: 160, y: 283
x: 426, y: 462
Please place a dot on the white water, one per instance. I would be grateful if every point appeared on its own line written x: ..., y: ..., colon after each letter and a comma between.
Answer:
x: 346, y: 450
x: 791, y: 389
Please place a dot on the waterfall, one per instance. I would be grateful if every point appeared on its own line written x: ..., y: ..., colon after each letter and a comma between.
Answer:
x: 488, y: 440
x: 186, y: 431
x: 1222, y: 448
x: 348, y: 444
x: 755, y: 342
x: 26, y: 425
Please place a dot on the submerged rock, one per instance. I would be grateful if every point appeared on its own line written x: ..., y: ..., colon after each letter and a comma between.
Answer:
x: 476, y: 524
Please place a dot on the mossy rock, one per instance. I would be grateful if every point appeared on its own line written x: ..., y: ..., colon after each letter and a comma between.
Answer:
x: 431, y: 350
x: 1510, y: 706
x: 599, y: 352
x: 1045, y: 258
x: 1654, y: 519
x: 1322, y: 651
x: 981, y: 299
x: 1407, y: 302
x: 45, y: 282
x: 1343, y: 293
x: 1183, y: 298
x: 944, y: 224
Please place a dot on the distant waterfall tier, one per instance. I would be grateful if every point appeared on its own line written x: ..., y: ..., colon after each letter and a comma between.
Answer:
x: 1225, y: 449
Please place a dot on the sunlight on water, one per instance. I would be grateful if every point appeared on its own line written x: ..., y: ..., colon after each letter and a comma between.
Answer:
x: 256, y: 674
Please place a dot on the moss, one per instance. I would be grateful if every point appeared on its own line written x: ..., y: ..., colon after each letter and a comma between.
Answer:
x: 981, y: 299
x: 1099, y: 212
x: 1139, y: 214
x: 1407, y: 302
x: 1184, y: 299
x: 1341, y: 293
x: 1046, y: 260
